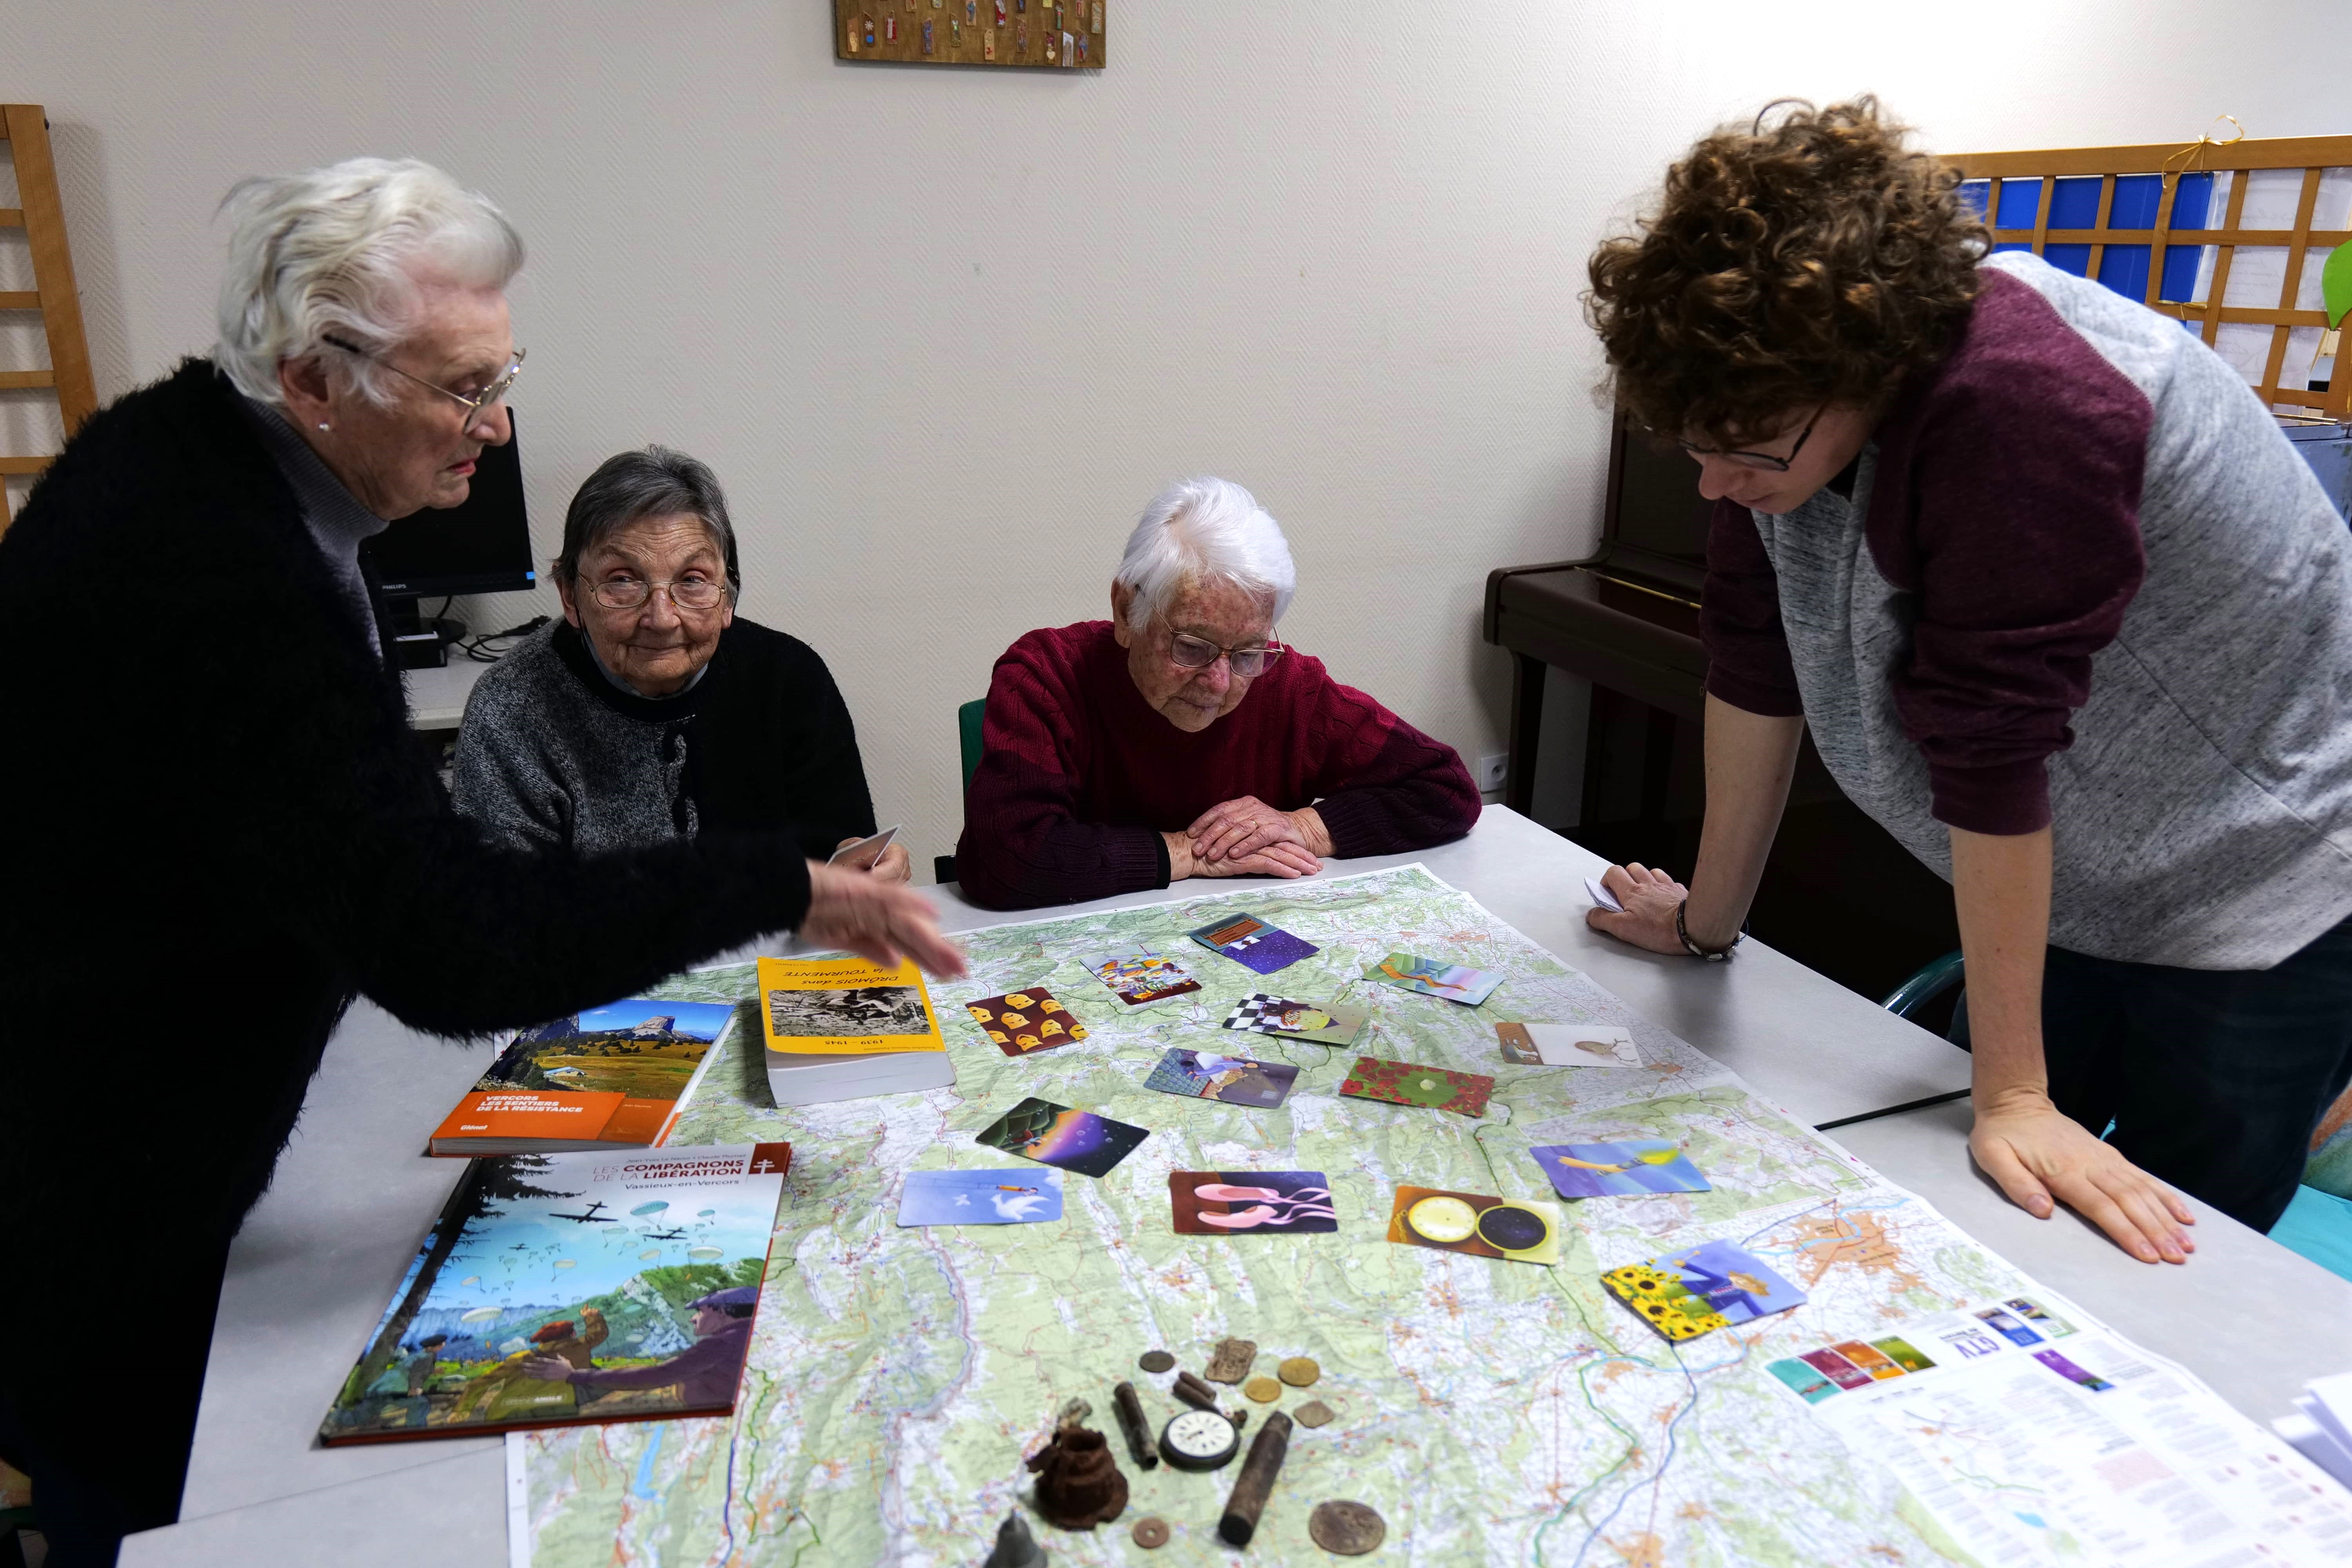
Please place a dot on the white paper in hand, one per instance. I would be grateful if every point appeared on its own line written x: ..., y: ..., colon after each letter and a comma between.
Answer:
x: 1602, y: 896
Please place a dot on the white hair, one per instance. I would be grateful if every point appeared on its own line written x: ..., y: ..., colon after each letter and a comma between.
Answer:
x: 339, y: 250
x: 1205, y: 530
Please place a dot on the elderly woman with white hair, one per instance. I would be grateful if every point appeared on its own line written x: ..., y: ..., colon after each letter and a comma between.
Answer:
x: 1178, y: 739
x: 222, y: 832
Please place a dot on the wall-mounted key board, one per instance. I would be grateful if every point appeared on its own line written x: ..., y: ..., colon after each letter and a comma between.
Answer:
x: 1067, y: 35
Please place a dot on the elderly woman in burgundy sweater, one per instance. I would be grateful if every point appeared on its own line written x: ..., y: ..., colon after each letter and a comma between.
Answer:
x: 1178, y: 739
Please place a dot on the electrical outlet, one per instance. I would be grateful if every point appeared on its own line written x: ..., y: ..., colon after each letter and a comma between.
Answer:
x: 1493, y: 770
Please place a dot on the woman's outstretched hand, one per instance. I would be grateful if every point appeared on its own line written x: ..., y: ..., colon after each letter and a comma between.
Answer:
x: 883, y: 921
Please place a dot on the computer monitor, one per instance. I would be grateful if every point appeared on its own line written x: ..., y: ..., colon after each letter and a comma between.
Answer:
x: 481, y: 546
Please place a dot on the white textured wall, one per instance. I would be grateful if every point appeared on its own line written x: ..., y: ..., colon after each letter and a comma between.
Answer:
x: 942, y: 333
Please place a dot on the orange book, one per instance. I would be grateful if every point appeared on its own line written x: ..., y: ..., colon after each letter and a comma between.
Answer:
x: 611, y: 1076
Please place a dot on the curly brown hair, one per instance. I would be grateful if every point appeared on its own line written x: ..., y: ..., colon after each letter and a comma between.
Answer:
x: 1799, y: 261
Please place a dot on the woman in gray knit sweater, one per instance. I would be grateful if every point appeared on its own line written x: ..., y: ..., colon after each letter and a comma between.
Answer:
x: 651, y: 710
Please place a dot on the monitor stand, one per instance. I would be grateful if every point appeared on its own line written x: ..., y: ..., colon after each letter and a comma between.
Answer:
x: 419, y: 643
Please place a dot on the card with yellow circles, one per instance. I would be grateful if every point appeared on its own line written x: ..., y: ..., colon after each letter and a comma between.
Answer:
x: 1021, y: 1022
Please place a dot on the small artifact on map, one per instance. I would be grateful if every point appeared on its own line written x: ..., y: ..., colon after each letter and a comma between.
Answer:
x: 1300, y: 1371
x: 1156, y: 1361
x: 1231, y: 1361
x: 1315, y: 1413
x: 1199, y: 1441
x: 1346, y: 1529
x: 1150, y: 1531
x: 1255, y: 1483
x: 1239, y: 1417
x: 1263, y: 1389
x: 1194, y: 1391
x: 1131, y: 1422
x: 1015, y: 1547
x: 1078, y: 1483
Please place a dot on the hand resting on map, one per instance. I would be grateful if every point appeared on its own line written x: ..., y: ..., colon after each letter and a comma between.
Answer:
x: 1650, y: 898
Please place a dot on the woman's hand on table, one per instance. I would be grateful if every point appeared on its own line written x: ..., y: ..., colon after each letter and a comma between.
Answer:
x: 876, y: 919
x: 2036, y: 1152
x: 1650, y: 898
x: 1285, y: 860
x: 1244, y: 827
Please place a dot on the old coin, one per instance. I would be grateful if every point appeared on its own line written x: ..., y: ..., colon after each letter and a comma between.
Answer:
x: 1264, y: 1390
x: 1300, y: 1371
x: 1156, y: 1361
x: 1314, y: 1413
x: 1349, y: 1529
x: 1231, y: 1361
x: 1150, y: 1532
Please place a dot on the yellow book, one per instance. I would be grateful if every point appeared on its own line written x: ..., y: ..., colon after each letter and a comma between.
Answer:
x: 845, y: 1006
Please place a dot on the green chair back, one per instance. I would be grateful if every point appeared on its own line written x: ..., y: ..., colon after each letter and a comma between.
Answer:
x: 968, y: 728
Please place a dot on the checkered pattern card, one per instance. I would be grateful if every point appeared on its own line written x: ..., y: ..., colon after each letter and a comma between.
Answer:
x: 1253, y: 944
x: 1330, y: 1025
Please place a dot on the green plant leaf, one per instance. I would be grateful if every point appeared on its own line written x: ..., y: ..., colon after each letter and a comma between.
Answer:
x: 2335, y: 283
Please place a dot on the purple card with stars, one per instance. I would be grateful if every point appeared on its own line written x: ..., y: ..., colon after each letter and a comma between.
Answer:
x: 1253, y: 944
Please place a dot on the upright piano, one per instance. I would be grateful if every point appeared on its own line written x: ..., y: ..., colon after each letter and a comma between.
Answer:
x: 1839, y: 894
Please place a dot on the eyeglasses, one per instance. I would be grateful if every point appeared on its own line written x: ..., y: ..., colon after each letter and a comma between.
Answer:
x: 1190, y: 652
x: 632, y: 593
x: 1760, y: 460
x: 476, y: 405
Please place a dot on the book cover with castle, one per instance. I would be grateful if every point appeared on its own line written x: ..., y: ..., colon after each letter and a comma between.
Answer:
x: 601, y: 1285
x: 617, y: 1074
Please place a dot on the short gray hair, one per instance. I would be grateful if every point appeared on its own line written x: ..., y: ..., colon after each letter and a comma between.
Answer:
x: 337, y: 250
x: 1200, y: 530
x: 654, y: 483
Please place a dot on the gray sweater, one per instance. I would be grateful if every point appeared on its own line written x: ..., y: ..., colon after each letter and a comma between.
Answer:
x: 2082, y: 581
x: 554, y: 753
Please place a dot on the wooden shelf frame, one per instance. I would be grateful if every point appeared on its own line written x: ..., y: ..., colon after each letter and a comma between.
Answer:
x: 42, y: 217
x: 2312, y: 156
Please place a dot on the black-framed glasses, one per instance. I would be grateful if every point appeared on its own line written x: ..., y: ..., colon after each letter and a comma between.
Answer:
x: 633, y: 592
x: 1760, y: 460
x: 475, y: 404
x: 1249, y: 661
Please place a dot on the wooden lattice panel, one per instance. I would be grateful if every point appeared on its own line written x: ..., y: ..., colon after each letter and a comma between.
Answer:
x: 2140, y: 220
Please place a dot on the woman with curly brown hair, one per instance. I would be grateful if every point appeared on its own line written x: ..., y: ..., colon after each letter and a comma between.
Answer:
x: 2063, y: 610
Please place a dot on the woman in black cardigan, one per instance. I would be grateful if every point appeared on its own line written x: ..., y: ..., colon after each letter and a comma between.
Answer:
x: 219, y: 830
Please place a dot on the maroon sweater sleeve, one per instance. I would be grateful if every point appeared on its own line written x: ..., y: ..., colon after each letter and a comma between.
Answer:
x: 2006, y: 501
x: 1747, y: 662
x: 1035, y: 850
x: 1383, y: 786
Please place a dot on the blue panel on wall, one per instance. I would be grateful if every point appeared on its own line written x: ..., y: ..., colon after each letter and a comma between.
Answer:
x: 2021, y: 202
x: 2073, y: 259
x: 1973, y: 193
x: 2124, y: 269
x: 2075, y: 203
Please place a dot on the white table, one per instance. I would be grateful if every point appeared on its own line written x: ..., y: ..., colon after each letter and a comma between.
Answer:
x: 353, y: 1198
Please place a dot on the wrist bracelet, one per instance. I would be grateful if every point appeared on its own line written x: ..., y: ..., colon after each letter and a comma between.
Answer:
x: 1713, y: 955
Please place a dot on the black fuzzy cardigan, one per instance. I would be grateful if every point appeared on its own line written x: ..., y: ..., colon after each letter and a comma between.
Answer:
x: 219, y: 830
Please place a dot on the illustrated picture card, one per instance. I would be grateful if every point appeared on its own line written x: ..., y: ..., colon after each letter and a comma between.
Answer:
x: 1057, y: 1135
x: 1406, y: 1083
x: 1327, y: 1023
x: 1479, y: 1223
x: 1701, y: 1289
x: 1251, y: 1203
x: 1632, y: 1168
x: 1026, y: 1020
x: 1568, y: 1045
x: 980, y: 1197
x: 1454, y: 982
x: 1140, y: 978
x: 1237, y: 1080
x: 1253, y: 944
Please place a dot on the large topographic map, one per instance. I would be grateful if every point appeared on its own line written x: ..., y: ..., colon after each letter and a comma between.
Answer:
x: 1492, y: 1411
